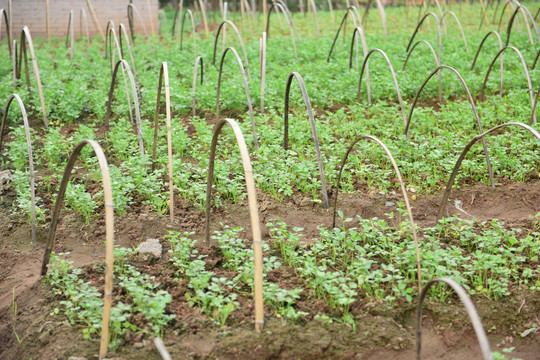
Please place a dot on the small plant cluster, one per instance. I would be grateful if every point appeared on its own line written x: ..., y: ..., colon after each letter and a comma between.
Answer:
x: 212, y: 294
x: 83, y: 302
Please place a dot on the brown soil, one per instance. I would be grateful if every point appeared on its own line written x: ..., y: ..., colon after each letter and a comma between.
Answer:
x: 381, y: 332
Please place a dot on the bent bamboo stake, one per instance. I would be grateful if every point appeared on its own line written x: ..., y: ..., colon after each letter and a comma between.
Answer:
x: 459, y: 26
x: 26, y: 38
x: 469, y: 308
x: 131, y: 9
x: 525, y: 70
x: 295, y: 75
x: 123, y: 31
x: 188, y: 12
x: 222, y: 26
x: 289, y: 22
x: 125, y: 66
x: 440, y: 44
x: 357, y: 23
x: 482, y: 135
x: 3, y: 14
x: 360, y: 31
x: 14, y: 62
x: 253, y: 212
x: 164, y: 79
x: 95, y: 19
x: 364, y: 66
x: 473, y: 106
x: 203, y: 12
x: 83, y: 16
x: 496, y: 34
x: 262, y: 60
x: 70, y: 32
x: 47, y: 21
x: 382, y: 13
x: 512, y: 17
x: 403, y: 190
x: 524, y: 12
x: 30, y: 156
x: 286, y: 8
x: 414, y: 46
x: 194, y: 102
x: 109, y: 231
x: 312, y: 3
x: 246, y: 89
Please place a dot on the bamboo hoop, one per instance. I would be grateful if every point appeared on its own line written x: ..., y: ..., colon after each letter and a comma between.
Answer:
x: 360, y: 31
x: 246, y: 89
x: 192, y: 31
x: 312, y: 2
x: 365, y: 64
x: 473, y: 106
x: 357, y: 24
x: 203, y: 12
x: 30, y: 157
x: 26, y: 38
x: 123, y: 31
x: 403, y: 190
x: 14, y: 64
x: 262, y: 60
x: 238, y: 36
x: 414, y: 46
x: 110, y: 51
x: 125, y: 66
x: 331, y: 9
x: 469, y: 308
x: 3, y: 14
x: 525, y: 70
x: 109, y: 231
x: 164, y: 79
x: 524, y: 12
x: 440, y: 44
x: 47, y: 20
x: 95, y: 19
x: 194, y: 99
x: 511, y: 3
x: 382, y: 14
x: 130, y: 10
x: 459, y: 26
x: 496, y: 34
x: 83, y: 16
x: 286, y: 8
x: 70, y: 32
x: 253, y: 211
x: 298, y: 77
x: 289, y: 22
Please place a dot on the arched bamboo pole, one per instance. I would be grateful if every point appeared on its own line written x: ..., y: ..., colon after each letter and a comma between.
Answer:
x: 524, y: 12
x: 164, y: 80
x: 295, y: 75
x: 473, y: 106
x: 403, y: 190
x: 130, y: 10
x: 246, y: 89
x: 197, y: 61
x: 469, y: 308
x: 414, y: 46
x: 4, y: 15
x: 459, y: 26
x: 203, y: 15
x: 289, y: 21
x: 112, y: 43
x: 285, y: 9
x: 30, y: 156
x: 262, y: 60
x: 382, y: 14
x: 438, y: 32
x: 253, y: 211
x: 496, y: 34
x: 83, y: 16
x: 533, y: 65
x: 109, y: 231
x: 188, y: 12
x: 314, y: 7
x: 70, y: 32
x: 26, y: 39
x: 238, y: 36
x: 482, y: 135
x: 125, y: 66
x: 357, y: 23
x: 533, y: 114
x: 365, y: 64
x: 525, y: 70
x: 123, y: 31
x: 426, y: 5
